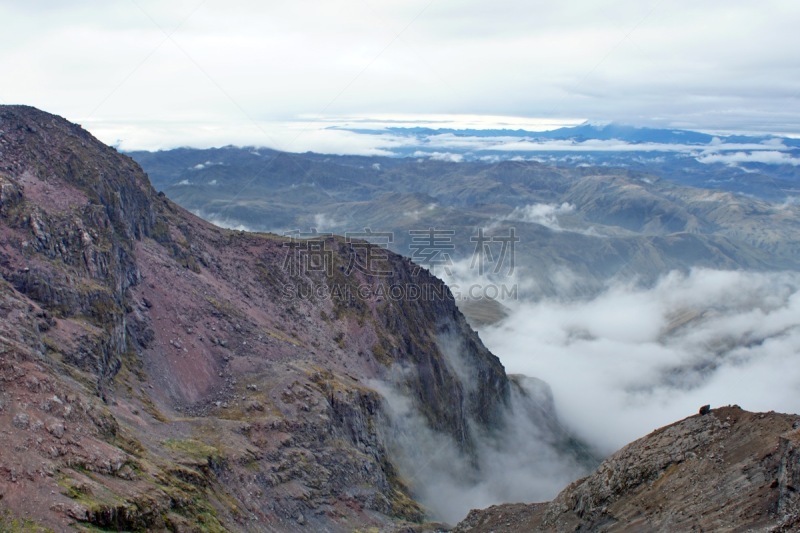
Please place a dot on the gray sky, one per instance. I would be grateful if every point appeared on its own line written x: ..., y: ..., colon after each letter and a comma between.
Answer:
x: 193, y: 72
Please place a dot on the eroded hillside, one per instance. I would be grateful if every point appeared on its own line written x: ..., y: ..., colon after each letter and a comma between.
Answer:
x: 159, y: 372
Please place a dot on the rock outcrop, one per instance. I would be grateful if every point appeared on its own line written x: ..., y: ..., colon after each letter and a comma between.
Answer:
x: 727, y: 470
x: 161, y: 373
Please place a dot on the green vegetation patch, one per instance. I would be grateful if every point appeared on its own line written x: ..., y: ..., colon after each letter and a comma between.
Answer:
x: 12, y: 524
x: 194, y: 449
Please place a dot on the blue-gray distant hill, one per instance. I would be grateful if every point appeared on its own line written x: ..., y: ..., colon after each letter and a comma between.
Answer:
x: 765, y: 166
x: 627, y: 216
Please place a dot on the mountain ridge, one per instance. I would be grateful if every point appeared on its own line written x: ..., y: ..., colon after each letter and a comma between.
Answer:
x: 164, y: 373
x: 723, y: 469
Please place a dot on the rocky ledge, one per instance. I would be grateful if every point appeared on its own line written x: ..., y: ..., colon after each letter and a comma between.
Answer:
x: 726, y: 470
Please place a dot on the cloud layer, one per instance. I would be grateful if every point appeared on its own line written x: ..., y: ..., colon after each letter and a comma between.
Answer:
x: 633, y: 359
x: 524, y: 463
x: 160, y: 75
x: 543, y: 214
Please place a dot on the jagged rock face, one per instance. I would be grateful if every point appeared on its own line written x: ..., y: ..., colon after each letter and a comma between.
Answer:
x: 68, y: 167
x: 162, y: 373
x: 72, y: 209
x: 726, y: 470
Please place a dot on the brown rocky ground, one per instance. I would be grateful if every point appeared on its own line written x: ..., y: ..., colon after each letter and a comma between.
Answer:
x: 729, y: 470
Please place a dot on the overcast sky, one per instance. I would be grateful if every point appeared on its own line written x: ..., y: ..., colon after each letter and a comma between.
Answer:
x: 193, y: 72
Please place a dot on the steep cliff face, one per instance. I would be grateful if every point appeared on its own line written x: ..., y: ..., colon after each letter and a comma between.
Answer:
x: 726, y: 470
x: 72, y: 210
x: 159, y: 372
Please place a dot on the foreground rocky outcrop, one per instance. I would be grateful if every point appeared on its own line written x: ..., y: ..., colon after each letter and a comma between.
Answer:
x: 161, y: 373
x: 727, y: 470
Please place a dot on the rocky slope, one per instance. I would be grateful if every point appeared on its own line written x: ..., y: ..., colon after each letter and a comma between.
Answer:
x: 161, y: 373
x: 727, y: 470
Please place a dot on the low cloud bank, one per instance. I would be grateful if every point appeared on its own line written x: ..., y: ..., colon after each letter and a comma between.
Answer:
x: 770, y: 157
x: 529, y: 461
x: 633, y: 359
x: 543, y: 214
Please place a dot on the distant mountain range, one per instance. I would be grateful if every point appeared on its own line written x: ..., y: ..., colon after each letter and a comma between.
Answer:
x: 638, y: 218
x: 761, y: 165
x: 585, y: 132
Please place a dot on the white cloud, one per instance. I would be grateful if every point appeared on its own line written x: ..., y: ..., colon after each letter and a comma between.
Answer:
x: 544, y: 214
x: 441, y: 156
x: 515, y: 144
x: 177, y: 68
x: 344, y: 137
x: 323, y: 222
x: 769, y: 157
x: 632, y: 360
x: 526, y: 464
x: 222, y: 221
x: 291, y: 136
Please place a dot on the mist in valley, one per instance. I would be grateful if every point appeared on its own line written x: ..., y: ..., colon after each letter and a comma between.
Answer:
x: 632, y: 359
x: 613, y: 367
x: 530, y: 459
